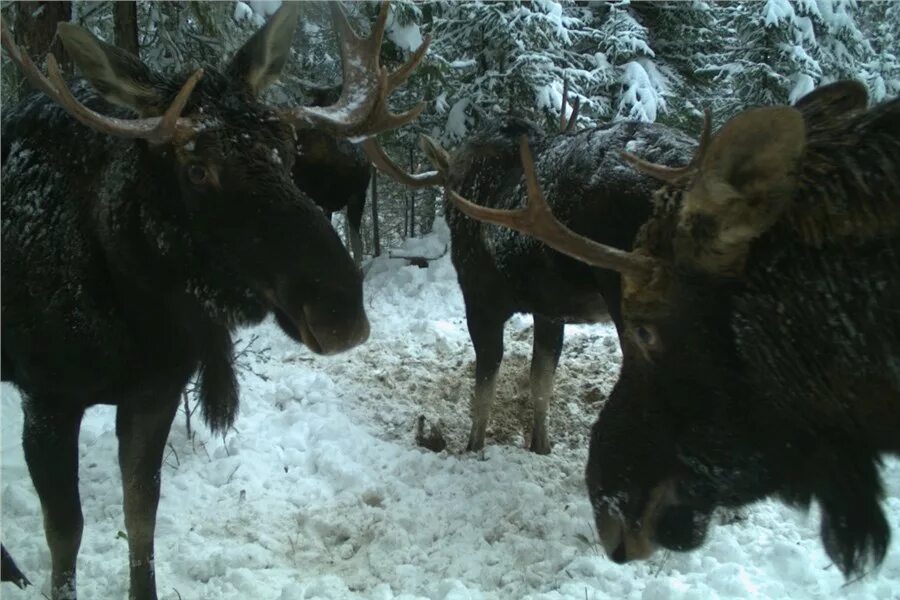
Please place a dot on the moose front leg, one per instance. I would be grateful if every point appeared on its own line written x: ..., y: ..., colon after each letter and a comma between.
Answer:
x: 142, y: 428
x: 548, y: 341
x: 50, y: 441
x: 486, y: 331
x: 355, y: 207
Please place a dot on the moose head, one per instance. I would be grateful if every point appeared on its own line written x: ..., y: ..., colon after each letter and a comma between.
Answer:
x: 226, y: 161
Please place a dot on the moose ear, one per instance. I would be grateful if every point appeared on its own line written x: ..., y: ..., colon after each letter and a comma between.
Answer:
x: 746, y: 180
x: 828, y: 102
x: 117, y: 75
x: 259, y: 61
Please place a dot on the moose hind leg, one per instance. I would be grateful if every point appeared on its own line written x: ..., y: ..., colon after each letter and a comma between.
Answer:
x: 142, y: 432
x: 548, y: 340
x: 50, y: 441
x: 486, y: 331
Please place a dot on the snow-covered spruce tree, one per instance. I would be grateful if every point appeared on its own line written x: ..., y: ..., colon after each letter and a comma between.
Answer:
x: 881, y: 25
x: 500, y: 59
x: 785, y: 49
x: 174, y: 36
x: 686, y: 38
x: 767, y: 59
x: 632, y: 80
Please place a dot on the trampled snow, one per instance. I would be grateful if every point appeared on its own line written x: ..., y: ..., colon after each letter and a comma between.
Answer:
x: 321, y: 491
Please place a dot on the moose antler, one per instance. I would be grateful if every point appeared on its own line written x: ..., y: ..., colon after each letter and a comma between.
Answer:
x: 674, y: 175
x: 537, y: 220
x: 386, y: 165
x: 362, y: 109
x: 155, y: 129
x: 565, y: 127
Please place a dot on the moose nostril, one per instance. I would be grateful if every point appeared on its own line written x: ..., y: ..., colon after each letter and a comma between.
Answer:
x: 620, y: 555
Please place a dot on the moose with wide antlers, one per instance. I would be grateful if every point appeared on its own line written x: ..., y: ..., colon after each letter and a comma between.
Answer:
x: 502, y: 273
x: 133, y: 246
x: 760, y: 331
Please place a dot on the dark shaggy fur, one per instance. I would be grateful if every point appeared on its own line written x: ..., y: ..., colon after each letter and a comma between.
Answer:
x: 126, y: 266
x: 335, y: 175
x: 501, y: 272
x: 333, y: 172
x: 783, y: 379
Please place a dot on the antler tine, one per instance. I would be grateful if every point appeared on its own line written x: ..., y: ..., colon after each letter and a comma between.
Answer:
x: 362, y: 109
x: 398, y: 77
x: 32, y: 73
x: 155, y: 129
x: 386, y: 165
x: 377, y: 35
x: 670, y: 175
x: 168, y: 126
x: 339, y: 16
x: 675, y: 175
x: 565, y: 103
x: 573, y: 119
x: 536, y: 219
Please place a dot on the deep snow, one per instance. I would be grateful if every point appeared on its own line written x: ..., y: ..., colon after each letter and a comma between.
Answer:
x: 321, y: 492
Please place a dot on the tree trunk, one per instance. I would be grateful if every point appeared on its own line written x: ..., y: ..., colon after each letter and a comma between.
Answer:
x: 406, y: 217
x: 376, y: 239
x: 126, y: 26
x: 412, y: 199
x: 428, y: 208
x: 35, y: 24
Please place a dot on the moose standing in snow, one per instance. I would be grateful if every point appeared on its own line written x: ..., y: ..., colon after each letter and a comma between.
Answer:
x: 761, y: 336
x: 502, y: 272
x: 133, y: 246
x: 334, y: 172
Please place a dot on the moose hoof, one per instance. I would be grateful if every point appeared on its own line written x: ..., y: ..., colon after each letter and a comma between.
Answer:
x: 475, y: 444
x: 540, y: 444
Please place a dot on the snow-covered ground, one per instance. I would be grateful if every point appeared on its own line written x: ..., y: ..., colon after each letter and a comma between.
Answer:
x: 321, y: 491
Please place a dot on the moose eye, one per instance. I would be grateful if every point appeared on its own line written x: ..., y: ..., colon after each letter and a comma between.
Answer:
x: 197, y: 174
x: 646, y: 335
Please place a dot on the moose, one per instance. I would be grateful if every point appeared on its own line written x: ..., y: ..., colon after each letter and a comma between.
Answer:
x: 133, y: 246
x: 333, y: 172
x: 760, y: 334
x: 502, y: 273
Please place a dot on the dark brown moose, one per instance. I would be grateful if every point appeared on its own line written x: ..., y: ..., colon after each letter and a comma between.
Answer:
x: 761, y: 337
x: 502, y: 273
x: 334, y: 172
x: 132, y: 246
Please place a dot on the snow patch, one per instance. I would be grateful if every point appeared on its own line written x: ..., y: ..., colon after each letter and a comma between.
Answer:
x: 321, y: 492
x: 456, y: 120
x: 242, y: 11
x: 407, y: 36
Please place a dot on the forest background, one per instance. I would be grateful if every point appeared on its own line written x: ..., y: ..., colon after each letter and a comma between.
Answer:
x: 659, y: 61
